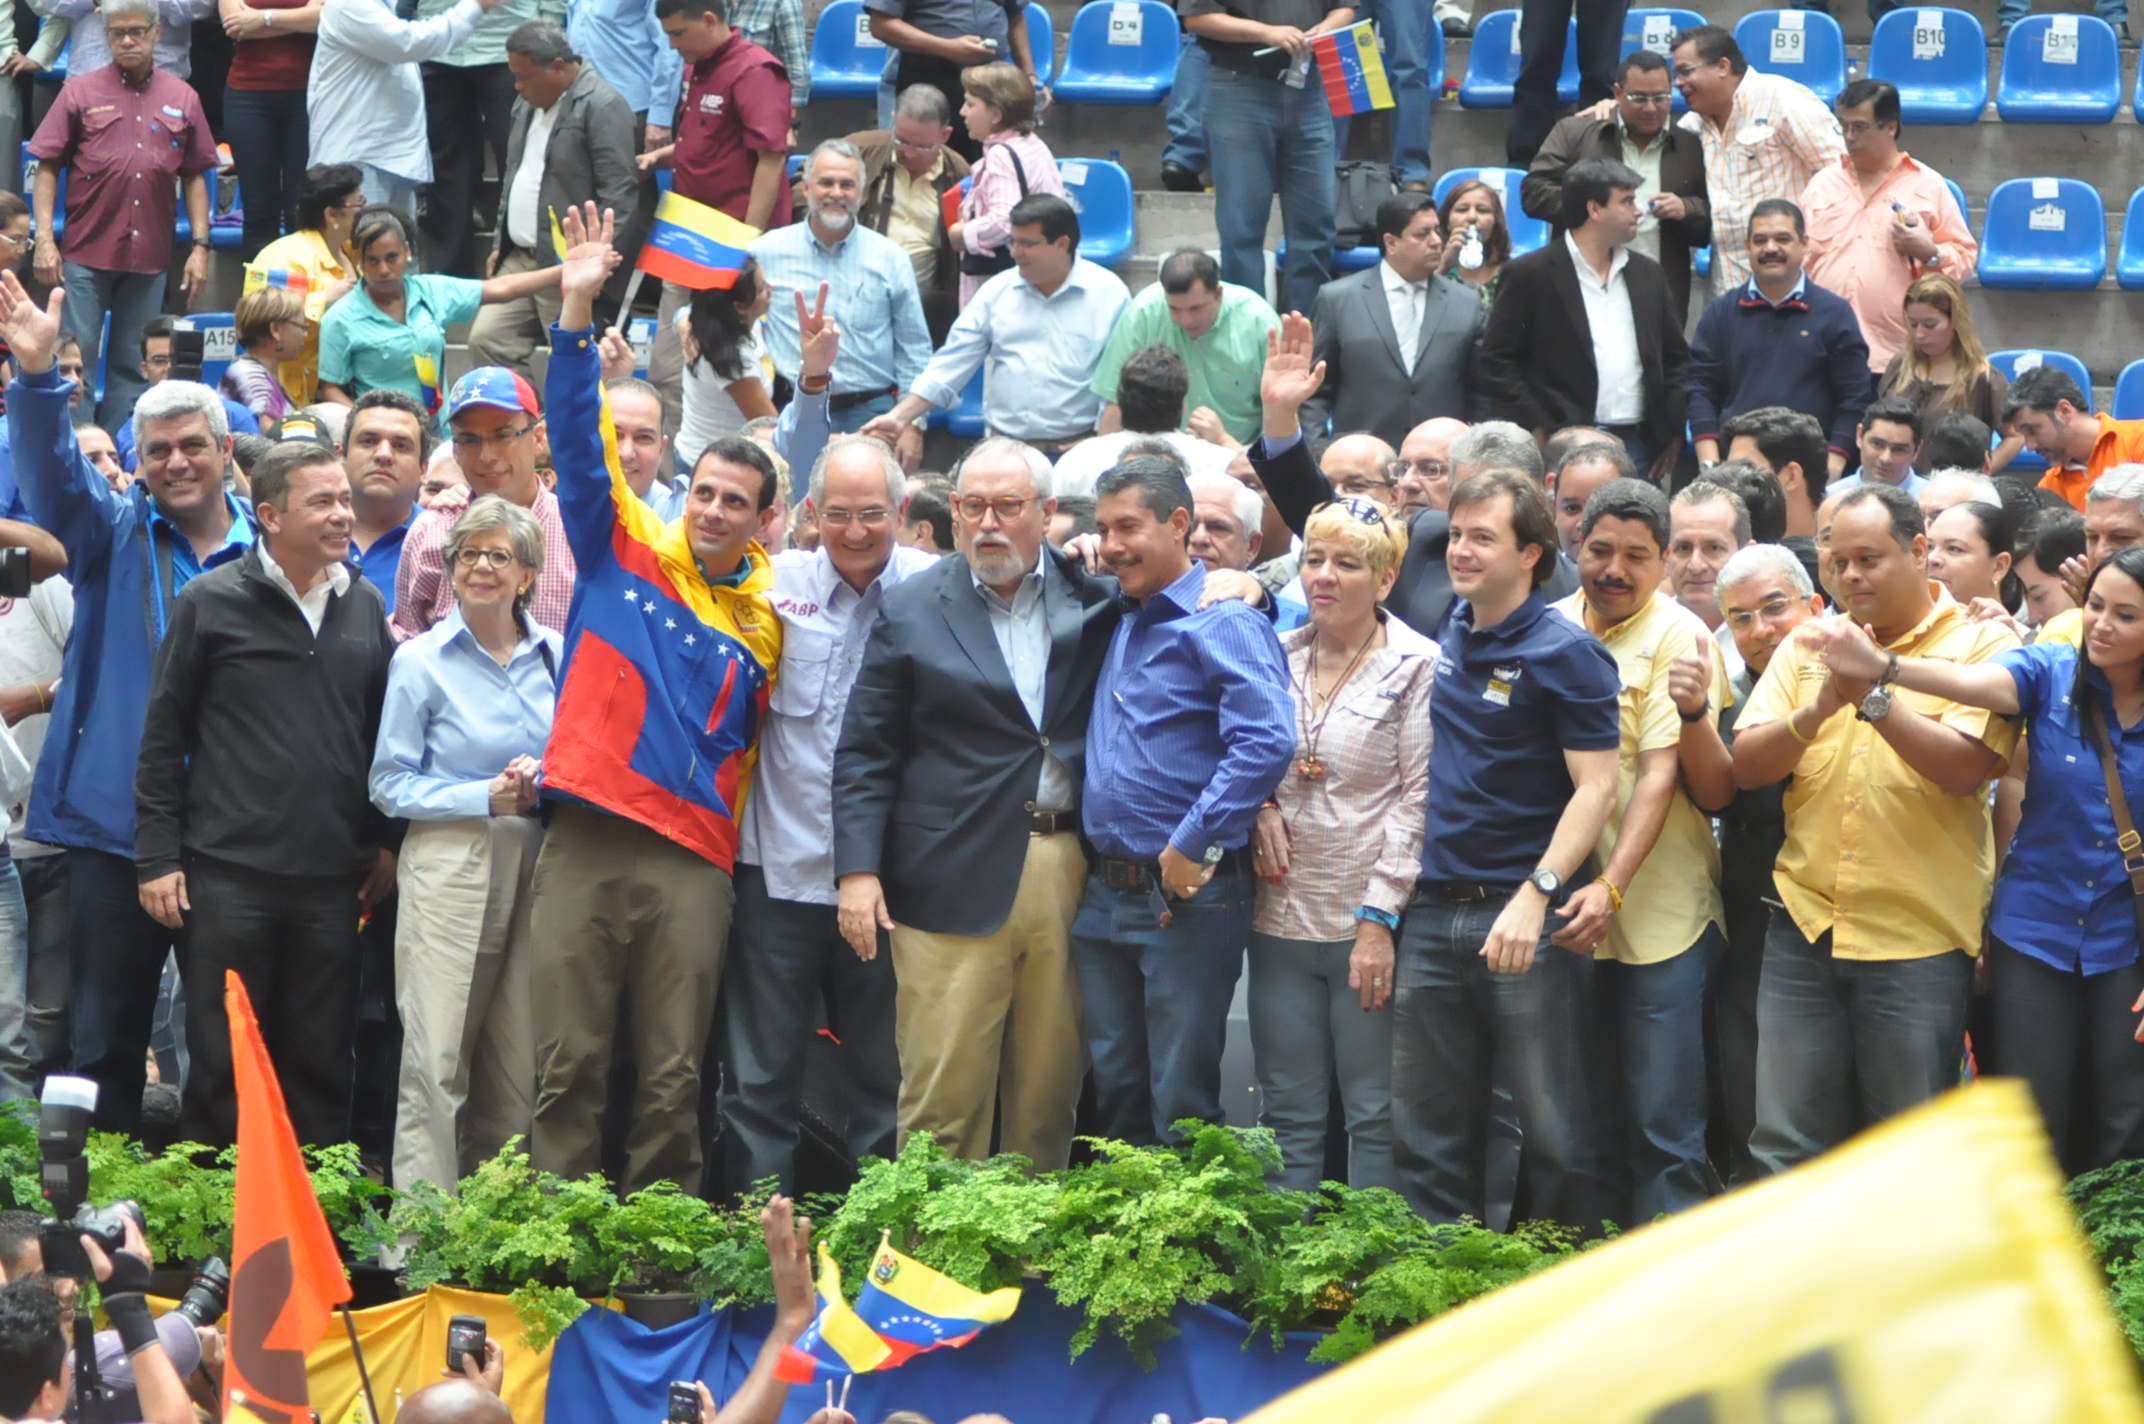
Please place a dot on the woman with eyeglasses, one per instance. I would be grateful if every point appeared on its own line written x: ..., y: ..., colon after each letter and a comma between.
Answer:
x: 468, y: 710
x: 391, y: 331
x: 1337, y: 850
x: 310, y: 261
x: 727, y: 375
x: 270, y: 323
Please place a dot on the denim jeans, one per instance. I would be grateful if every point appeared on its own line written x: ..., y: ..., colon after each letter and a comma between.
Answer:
x: 1843, y: 1044
x: 2070, y: 1036
x: 393, y: 189
x: 118, y: 962
x: 1308, y: 1032
x: 15, y: 1079
x: 2009, y: 12
x: 1155, y: 999
x: 132, y: 298
x: 1268, y: 139
x: 1187, y: 108
x: 789, y: 973
x: 1652, y: 1036
x: 1403, y: 28
x: 268, y: 131
x: 44, y: 894
x: 1452, y: 1020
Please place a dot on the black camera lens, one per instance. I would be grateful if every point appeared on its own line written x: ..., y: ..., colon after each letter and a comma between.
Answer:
x: 209, y: 1295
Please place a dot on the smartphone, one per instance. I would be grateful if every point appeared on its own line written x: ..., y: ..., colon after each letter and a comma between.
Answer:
x: 684, y: 1403
x: 465, y: 1336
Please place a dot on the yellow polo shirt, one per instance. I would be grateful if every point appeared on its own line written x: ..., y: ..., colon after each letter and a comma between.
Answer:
x: 1676, y: 892
x: 1891, y: 864
x: 916, y: 217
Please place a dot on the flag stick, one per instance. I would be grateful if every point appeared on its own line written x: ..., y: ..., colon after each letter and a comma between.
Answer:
x: 632, y: 290
x: 364, y: 1376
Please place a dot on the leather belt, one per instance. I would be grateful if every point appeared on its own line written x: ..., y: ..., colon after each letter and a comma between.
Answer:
x: 1127, y: 874
x: 1462, y: 892
x: 849, y: 400
x: 1052, y: 823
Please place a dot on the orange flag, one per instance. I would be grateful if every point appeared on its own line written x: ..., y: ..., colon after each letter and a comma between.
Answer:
x: 286, y: 1278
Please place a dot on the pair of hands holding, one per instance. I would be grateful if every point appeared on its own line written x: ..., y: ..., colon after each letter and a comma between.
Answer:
x: 513, y: 791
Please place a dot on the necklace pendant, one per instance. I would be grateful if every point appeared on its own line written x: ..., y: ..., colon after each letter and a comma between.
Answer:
x: 1311, y: 768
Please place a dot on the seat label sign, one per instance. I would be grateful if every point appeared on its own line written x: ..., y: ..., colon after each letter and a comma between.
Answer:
x: 1659, y: 34
x: 864, y: 38
x: 2061, y: 44
x: 1126, y: 25
x: 2047, y: 217
x: 1789, y: 41
x: 1928, y: 34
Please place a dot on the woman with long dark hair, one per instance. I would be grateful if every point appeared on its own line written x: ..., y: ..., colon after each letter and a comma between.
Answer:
x: 1474, y: 206
x: 727, y: 376
x: 1970, y: 553
x: 1943, y: 367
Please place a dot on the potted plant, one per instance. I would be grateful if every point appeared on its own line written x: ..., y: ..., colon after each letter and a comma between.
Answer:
x: 653, y: 1241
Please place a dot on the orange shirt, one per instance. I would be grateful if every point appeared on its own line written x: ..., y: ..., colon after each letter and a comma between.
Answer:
x: 2120, y: 442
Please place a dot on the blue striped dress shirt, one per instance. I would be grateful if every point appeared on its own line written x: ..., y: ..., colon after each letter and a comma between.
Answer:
x: 884, y: 340
x: 1193, y: 726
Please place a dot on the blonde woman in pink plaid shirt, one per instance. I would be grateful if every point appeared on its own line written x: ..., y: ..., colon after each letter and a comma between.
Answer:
x: 1338, y: 849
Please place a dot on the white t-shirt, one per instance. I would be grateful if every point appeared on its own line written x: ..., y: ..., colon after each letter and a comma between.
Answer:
x: 33, y: 638
x: 709, y: 412
x: 1079, y: 467
x: 525, y: 192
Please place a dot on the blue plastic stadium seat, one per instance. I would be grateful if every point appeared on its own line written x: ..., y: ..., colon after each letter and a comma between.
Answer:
x: 1101, y: 192
x: 1493, y: 63
x: 640, y: 335
x: 2082, y: 86
x: 2012, y: 363
x: 2044, y: 233
x: 1041, y: 42
x: 1817, y: 58
x: 796, y: 165
x: 1137, y: 68
x: 965, y: 419
x: 1527, y: 233
x: 2129, y: 263
x: 1344, y: 259
x: 219, y: 343
x: 846, y: 59
x: 1939, y: 61
x: 1655, y: 29
x: 1959, y: 193
x: 2129, y: 392
x: 1701, y: 262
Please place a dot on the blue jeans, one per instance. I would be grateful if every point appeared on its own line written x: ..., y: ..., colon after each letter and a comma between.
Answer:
x: 1843, y: 1044
x: 119, y: 955
x: 1308, y: 1031
x: 393, y: 189
x: 1267, y: 138
x: 269, y: 132
x: 1155, y: 999
x: 132, y: 298
x: 1187, y: 108
x: 2009, y: 12
x: 856, y: 417
x: 15, y: 1056
x: 1403, y: 28
x: 1452, y: 1021
x: 787, y: 973
x: 1652, y: 1035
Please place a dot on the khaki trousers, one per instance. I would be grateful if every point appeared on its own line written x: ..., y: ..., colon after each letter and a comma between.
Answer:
x: 468, y: 1079
x: 622, y: 914
x: 991, y: 1025
x: 509, y: 333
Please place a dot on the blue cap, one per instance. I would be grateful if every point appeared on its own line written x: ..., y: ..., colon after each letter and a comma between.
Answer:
x: 495, y: 388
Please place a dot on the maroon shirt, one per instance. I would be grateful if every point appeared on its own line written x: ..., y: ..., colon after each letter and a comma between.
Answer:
x: 123, y: 150
x: 736, y: 108
x: 280, y: 62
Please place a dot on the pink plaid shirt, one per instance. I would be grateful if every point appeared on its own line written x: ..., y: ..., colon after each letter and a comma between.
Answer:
x: 424, y: 594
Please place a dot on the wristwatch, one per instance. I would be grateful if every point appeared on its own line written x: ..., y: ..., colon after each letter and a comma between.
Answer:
x: 1876, y: 706
x: 1547, y: 881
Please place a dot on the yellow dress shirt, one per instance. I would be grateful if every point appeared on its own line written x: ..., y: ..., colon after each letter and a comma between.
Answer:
x: 1891, y: 864
x: 917, y: 217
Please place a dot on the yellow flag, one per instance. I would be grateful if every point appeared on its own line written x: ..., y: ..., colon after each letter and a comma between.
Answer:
x: 1927, y: 1273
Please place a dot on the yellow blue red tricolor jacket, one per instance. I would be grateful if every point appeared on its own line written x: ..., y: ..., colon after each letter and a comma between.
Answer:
x: 905, y: 1308
x: 666, y: 675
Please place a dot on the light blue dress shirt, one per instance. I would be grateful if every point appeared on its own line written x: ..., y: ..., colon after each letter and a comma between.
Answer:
x: 1037, y: 352
x: 884, y: 340
x: 789, y: 817
x: 454, y: 718
x: 1022, y: 628
x: 626, y: 44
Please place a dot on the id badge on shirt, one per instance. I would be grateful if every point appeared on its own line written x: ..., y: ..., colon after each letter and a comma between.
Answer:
x: 1298, y: 72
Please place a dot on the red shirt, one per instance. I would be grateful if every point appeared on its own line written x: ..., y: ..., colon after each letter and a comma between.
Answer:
x: 282, y: 61
x: 736, y: 107
x: 123, y: 150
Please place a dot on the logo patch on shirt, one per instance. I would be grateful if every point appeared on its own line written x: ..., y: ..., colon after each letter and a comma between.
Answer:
x: 1507, y: 674
x: 711, y: 104
x: 1498, y: 691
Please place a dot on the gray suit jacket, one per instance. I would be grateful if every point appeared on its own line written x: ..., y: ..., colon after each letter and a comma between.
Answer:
x: 1367, y: 386
x: 590, y: 156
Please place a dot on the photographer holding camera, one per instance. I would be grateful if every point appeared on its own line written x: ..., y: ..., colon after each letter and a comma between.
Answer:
x: 36, y: 1365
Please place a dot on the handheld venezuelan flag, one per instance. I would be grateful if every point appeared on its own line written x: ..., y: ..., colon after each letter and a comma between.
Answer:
x: 289, y: 278
x: 428, y: 381
x: 1353, y: 70
x: 905, y: 1309
x: 695, y: 245
x: 285, y: 1276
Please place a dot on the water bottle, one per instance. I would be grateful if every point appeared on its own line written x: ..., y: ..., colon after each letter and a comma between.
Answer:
x: 1470, y: 253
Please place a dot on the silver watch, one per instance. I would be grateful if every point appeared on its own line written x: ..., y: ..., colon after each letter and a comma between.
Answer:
x: 1876, y: 705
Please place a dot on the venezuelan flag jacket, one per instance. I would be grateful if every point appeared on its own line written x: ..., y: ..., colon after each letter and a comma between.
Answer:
x: 666, y: 676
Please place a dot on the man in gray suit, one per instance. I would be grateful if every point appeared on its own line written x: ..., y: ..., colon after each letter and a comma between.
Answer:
x: 573, y: 139
x: 1397, y: 340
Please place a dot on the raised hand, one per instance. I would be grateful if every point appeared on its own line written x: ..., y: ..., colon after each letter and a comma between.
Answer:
x: 818, y: 337
x: 32, y: 331
x: 589, y: 256
x: 1290, y: 377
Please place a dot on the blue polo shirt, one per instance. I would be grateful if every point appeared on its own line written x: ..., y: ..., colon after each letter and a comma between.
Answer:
x: 380, y: 564
x: 1509, y: 702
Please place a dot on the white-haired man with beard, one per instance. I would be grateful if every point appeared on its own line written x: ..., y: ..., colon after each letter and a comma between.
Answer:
x: 884, y: 340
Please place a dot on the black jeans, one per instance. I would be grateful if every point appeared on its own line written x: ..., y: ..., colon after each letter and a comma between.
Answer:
x: 467, y: 108
x: 1534, y: 105
x: 268, y: 133
x: 118, y: 962
x: 2071, y: 1036
x: 45, y: 897
x: 293, y: 942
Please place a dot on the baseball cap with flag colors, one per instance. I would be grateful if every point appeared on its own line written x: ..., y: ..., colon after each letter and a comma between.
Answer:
x: 493, y: 387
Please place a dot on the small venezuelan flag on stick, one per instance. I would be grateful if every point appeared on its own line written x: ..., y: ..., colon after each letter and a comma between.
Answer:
x: 695, y: 245
x: 1353, y: 70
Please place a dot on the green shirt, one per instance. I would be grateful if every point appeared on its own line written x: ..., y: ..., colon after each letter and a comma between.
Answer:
x: 362, y: 348
x: 1225, y: 363
x: 487, y: 43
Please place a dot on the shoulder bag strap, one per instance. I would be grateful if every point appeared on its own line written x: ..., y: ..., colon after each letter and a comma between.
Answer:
x: 2131, y: 844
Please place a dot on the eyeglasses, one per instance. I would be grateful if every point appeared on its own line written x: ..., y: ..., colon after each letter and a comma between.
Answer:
x: 156, y: 361
x: 1859, y: 128
x: 873, y: 518
x: 1360, y: 484
x: 1428, y: 469
x: 18, y: 243
x: 470, y: 443
x: 1007, y: 507
x: 490, y: 558
x: 1647, y: 101
x: 906, y: 147
x: 129, y: 34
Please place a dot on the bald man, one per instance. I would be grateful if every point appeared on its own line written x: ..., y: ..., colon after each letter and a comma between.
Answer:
x: 1363, y: 465
x: 1425, y: 479
x: 455, y: 1401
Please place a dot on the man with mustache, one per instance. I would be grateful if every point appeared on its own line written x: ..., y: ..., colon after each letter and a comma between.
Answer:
x: 884, y: 340
x: 1779, y: 340
x: 1652, y: 916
